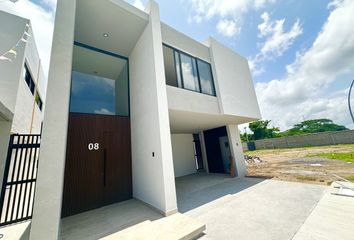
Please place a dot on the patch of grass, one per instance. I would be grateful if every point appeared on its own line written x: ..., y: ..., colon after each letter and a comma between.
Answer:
x: 350, y: 178
x: 278, y: 150
x: 345, y: 157
x: 306, y: 178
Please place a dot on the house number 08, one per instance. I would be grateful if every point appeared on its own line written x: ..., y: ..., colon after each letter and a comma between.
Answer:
x: 93, y: 146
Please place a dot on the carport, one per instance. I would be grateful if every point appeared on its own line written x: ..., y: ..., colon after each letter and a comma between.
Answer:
x: 246, y: 208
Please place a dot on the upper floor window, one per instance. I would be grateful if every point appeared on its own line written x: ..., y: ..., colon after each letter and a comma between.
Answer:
x: 32, y: 86
x: 185, y: 71
x: 28, y: 78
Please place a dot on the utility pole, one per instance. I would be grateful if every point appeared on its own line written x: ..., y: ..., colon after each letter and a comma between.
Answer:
x: 246, y: 133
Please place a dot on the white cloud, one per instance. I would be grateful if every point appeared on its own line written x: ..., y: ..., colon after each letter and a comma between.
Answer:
x: 228, y: 12
x: 50, y: 3
x: 228, y: 28
x: 255, y: 68
x: 277, y: 40
x: 42, y: 24
x: 104, y: 111
x: 303, y: 93
x: 138, y: 4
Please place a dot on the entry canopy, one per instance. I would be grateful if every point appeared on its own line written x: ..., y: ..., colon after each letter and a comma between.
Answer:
x: 110, y: 25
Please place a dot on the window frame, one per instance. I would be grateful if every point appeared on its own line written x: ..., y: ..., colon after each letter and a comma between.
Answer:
x: 196, y: 59
x: 211, y: 74
x: 112, y: 54
x: 32, y: 86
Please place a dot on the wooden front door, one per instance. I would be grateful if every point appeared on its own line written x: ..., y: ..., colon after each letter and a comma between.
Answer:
x: 98, y: 162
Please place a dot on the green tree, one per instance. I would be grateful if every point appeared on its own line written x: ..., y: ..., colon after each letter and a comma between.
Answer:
x: 314, y: 126
x: 262, y: 130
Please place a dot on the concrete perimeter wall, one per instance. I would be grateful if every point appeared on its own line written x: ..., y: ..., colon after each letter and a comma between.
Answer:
x: 306, y: 140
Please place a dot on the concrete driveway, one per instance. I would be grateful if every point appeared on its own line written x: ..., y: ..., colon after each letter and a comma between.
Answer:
x: 247, y: 208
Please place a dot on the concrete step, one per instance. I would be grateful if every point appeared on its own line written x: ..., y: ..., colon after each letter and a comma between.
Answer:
x: 174, y: 227
x: 18, y: 231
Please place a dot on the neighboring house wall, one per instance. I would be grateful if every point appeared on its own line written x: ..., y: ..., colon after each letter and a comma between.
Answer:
x: 24, y: 110
x: 233, y: 82
x: 10, y: 34
x: 14, y: 92
x: 183, y: 154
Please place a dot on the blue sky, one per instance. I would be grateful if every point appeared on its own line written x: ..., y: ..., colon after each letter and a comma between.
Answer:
x: 301, y: 52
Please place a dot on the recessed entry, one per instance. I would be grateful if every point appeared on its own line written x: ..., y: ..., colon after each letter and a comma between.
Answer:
x: 99, y: 83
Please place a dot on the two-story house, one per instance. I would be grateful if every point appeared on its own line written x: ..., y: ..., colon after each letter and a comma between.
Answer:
x: 132, y: 103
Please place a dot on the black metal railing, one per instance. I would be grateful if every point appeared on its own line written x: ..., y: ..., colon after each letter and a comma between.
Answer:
x: 19, y: 182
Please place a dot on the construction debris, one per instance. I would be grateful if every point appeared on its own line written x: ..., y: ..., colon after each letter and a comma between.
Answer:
x: 252, y: 159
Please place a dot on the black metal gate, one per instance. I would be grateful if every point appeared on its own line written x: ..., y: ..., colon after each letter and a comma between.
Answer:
x: 19, y: 182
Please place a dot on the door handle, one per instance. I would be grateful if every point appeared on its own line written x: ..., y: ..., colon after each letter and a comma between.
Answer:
x: 104, y: 166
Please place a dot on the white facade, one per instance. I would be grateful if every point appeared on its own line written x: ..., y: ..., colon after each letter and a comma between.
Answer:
x: 183, y: 154
x: 163, y: 118
x: 19, y: 112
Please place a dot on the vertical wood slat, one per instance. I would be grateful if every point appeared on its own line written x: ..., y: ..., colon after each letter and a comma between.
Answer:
x: 88, y: 183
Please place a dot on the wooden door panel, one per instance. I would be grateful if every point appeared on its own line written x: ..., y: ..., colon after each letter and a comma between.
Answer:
x: 90, y: 182
x: 118, y: 166
x: 83, y: 168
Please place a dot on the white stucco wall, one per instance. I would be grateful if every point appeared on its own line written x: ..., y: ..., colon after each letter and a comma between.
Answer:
x: 5, y: 127
x: 14, y: 92
x: 233, y: 82
x: 184, y: 43
x: 49, y: 187
x: 152, y: 164
x: 10, y: 34
x: 186, y: 100
x: 122, y: 93
x: 23, y: 112
x: 183, y: 154
x: 236, y: 149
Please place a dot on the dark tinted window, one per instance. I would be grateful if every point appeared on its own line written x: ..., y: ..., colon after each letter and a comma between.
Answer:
x: 206, y: 78
x: 185, y: 71
x: 28, y: 78
x: 170, y: 70
x: 189, y: 73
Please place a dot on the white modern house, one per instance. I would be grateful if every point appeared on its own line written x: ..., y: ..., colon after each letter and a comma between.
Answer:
x: 132, y: 104
x: 22, y: 82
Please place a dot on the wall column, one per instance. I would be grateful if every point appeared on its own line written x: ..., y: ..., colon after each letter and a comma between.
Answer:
x: 236, y: 149
x: 50, y: 179
x: 152, y: 163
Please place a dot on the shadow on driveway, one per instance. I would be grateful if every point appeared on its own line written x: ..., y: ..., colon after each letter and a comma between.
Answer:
x: 201, y: 188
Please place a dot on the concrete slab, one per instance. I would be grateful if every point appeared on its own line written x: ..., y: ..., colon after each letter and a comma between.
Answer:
x: 247, y: 208
x: 174, y: 227
x: 98, y: 223
x: 19, y: 231
x: 333, y: 218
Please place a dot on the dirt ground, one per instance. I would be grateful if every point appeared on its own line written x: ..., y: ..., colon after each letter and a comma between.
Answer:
x: 293, y: 164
